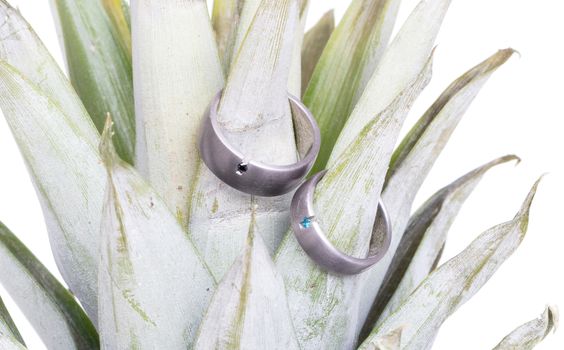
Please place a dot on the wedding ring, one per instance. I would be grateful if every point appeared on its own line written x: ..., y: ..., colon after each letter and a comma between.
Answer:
x: 314, y: 242
x: 253, y: 177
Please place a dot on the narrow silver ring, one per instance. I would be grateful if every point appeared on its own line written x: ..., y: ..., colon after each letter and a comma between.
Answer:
x: 253, y: 177
x: 314, y: 242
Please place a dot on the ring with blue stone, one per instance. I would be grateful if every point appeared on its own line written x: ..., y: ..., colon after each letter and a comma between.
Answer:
x: 309, y: 234
x: 253, y: 177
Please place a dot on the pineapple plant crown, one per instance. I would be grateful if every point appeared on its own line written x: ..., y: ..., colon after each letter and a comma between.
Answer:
x: 158, y: 253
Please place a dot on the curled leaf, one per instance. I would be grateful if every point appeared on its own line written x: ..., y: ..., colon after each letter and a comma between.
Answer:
x: 154, y: 287
x: 422, y: 243
x: 414, y: 158
x: 530, y: 334
x: 454, y: 282
x: 50, y: 308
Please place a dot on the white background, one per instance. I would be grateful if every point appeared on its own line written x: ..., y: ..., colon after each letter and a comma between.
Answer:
x: 519, y: 111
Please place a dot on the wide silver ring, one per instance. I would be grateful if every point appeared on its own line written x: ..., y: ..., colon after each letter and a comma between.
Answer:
x: 314, y: 242
x: 253, y: 177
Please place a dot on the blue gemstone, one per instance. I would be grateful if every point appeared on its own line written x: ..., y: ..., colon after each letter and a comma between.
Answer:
x: 306, y: 222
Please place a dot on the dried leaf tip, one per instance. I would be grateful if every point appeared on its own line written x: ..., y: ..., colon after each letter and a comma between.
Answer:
x: 497, y: 59
x: 552, y: 315
x: 106, y: 147
x: 523, y: 214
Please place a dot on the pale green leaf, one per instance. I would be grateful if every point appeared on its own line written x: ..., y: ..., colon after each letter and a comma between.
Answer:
x: 346, y: 65
x: 8, y: 342
x: 314, y: 42
x: 99, y: 64
x: 249, y: 309
x: 21, y: 48
x: 67, y: 173
x: 154, y: 287
x: 422, y: 243
x: 255, y: 116
x: 50, y: 308
x: 323, y: 305
x: 7, y: 325
x: 453, y: 283
x: 177, y: 72
x: 225, y: 20
x: 530, y: 334
x: 415, y: 156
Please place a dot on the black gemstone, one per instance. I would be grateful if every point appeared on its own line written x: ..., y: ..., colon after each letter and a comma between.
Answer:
x: 242, y: 168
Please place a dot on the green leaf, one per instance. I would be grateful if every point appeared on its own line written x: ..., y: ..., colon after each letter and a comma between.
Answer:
x: 225, y: 20
x: 154, y: 287
x: 7, y: 325
x: 422, y: 243
x: 403, y: 59
x: 177, y: 73
x: 49, y: 307
x: 118, y: 11
x: 249, y: 309
x: 254, y: 114
x: 323, y: 305
x: 530, y: 334
x: 99, y: 64
x: 346, y: 65
x: 415, y: 157
x: 67, y: 173
x: 314, y: 42
x: 453, y: 283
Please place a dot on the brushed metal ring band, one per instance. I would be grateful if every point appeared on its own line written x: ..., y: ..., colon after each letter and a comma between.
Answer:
x: 253, y: 177
x: 314, y: 242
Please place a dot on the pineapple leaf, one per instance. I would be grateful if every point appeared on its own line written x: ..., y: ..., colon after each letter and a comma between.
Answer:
x: 225, y: 20
x: 254, y: 114
x: 7, y: 325
x: 153, y: 285
x: 67, y: 173
x: 453, y: 283
x: 8, y: 342
x: 295, y: 78
x: 415, y: 156
x: 314, y: 42
x: 422, y: 243
x: 118, y: 12
x: 323, y: 305
x: 50, y: 308
x: 249, y: 309
x: 173, y: 88
x: 348, y: 61
x: 530, y: 334
x: 21, y: 48
x: 99, y: 63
